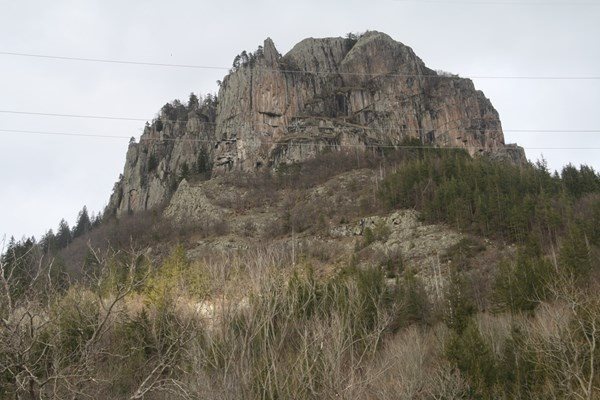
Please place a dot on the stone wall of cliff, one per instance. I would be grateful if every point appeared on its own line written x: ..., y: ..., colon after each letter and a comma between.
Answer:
x: 335, y: 92
x: 330, y: 93
x: 173, y: 146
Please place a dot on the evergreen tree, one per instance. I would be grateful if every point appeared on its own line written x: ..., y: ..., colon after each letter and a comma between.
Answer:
x: 570, y: 177
x: 203, y: 162
x: 152, y: 162
x: 97, y: 220
x: 488, y: 198
x: 460, y: 306
x: 580, y: 182
x: 236, y: 62
x: 181, y: 111
x: 414, y: 300
x: 193, y: 102
x: 48, y: 242
x: 474, y: 357
x: 244, y: 57
x: 19, y: 263
x: 184, y: 171
x: 83, y: 224
x: 159, y: 125
x: 63, y: 235
x: 168, y: 111
x: 575, y: 254
x: 522, y: 284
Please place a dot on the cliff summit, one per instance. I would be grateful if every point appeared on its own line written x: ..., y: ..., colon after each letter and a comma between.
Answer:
x: 356, y: 93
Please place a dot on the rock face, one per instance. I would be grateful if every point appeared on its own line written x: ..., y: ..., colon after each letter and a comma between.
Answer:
x: 331, y: 93
x: 177, y: 144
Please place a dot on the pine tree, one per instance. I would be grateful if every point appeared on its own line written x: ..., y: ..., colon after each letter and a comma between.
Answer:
x: 158, y: 124
x: 184, y: 171
x: 522, y: 284
x: 244, y: 57
x: 575, y: 255
x: 63, y: 235
x: 193, y: 102
x: 48, y: 242
x: 83, y: 224
x: 19, y: 262
x: 203, y: 162
x: 471, y: 353
x: 460, y: 306
x: 97, y: 220
x: 236, y: 62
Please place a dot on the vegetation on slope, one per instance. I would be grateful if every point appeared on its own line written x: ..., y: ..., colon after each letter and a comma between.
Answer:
x: 263, y: 324
x: 489, y: 198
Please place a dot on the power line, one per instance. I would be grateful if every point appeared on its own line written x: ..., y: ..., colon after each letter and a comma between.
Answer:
x: 100, y: 60
x: 289, y: 142
x: 394, y: 126
x: 63, y: 133
x: 307, y: 72
x: 72, y: 115
x: 503, y: 3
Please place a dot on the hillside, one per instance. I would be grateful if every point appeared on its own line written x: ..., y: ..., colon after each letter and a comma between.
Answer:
x: 422, y: 274
x: 361, y: 264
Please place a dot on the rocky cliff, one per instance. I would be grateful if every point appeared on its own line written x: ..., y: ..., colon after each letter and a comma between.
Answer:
x: 177, y: 144
x: 332, y: 93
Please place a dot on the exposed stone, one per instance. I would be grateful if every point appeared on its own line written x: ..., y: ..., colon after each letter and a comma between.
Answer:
x: 420, y: 244
x: 154, y: 165
x: 331, y: 93
x: 323, y: 94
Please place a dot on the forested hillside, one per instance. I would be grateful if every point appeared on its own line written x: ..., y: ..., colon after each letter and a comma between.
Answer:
x: 324, y: 288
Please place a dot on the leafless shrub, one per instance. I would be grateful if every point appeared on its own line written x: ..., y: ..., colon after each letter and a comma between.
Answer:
x: 288, y: 343
x: 52, y: 348
x: 265, y: 329
x: 319, y: 250
x: 138, y: 231
x: 275, y: 228
x: 564, y: 338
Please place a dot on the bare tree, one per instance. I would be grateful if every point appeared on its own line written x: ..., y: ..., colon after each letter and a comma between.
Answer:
x: 564, y: 339
x: 50, y: 341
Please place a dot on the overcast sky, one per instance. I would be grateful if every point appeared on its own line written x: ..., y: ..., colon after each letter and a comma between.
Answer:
x: 46, y: 178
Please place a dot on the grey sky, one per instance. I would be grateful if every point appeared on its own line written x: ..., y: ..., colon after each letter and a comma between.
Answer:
x: 46, y: 178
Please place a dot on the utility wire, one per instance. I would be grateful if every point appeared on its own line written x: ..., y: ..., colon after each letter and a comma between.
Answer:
x: 289, y: 142
x: 503, y: 3
x: 307, y: 72
x: 72, y: 115
x: 100, y: 60
x: 63, y: 133
x: 390, y: 126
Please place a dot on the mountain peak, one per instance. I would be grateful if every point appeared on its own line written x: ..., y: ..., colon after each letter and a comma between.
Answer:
x: 357, y: 93
x: 270, y: 53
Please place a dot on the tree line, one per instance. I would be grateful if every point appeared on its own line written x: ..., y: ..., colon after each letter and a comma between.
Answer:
x: 553, y: 219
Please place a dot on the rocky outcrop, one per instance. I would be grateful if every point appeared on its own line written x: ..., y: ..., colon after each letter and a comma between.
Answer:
x: 339, y: 93
x: 331, y: 93
x: 174, y: 146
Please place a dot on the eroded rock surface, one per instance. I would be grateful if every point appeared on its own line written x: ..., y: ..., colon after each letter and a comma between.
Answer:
x: 335, y: 92
x: 324, y: 94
